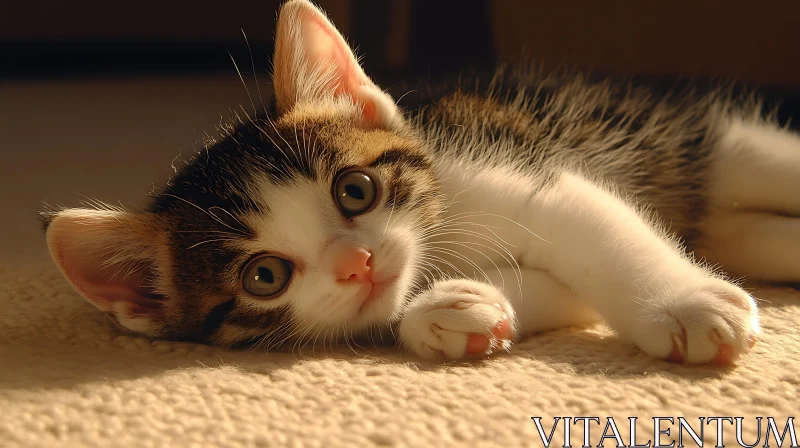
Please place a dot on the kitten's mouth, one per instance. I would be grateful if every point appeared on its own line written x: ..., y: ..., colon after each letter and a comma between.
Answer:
x: 376, y: 292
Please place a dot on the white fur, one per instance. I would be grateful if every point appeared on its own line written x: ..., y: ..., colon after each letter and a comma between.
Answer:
x: 605, y: 254
x: 753, y: 226
x: 439, y: 321
x: 305, y: 226
x: 757, y: 168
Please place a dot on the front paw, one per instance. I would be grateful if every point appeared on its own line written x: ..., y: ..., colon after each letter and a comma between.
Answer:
x: 711, y: 322
x: 458, y: 319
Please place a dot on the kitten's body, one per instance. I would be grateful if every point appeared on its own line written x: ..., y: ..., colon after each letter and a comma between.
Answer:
x: 547, y: 201
x: 502, y: 149
x: 655, y: 147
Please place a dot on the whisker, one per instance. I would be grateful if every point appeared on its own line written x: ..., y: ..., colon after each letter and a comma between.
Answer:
x: 403, y: 96
x: 211, y: 215
x: 458, y: 271
x: 242, y: 78
x: 253, y: 64
x: 394, y: 201
x: 209, y: 241
x: 463, y: 257
x: 483, y: 237
x: 494, y: 215
x: 466, y: 245
x: 227, y: 213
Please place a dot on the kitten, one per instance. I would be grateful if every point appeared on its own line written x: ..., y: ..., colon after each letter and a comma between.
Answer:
x: 474, y: 217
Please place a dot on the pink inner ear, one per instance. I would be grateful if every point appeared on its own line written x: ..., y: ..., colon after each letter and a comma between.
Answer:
x: 312, y: 61
x: 109, y: 292
x: 108, y: 296
x: 323, y: 48
x: 82, y: 264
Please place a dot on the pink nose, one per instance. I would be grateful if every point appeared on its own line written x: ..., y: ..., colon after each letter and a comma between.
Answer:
x: 353, y: 264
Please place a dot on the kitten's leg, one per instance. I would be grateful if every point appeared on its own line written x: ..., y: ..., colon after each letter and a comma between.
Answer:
x: 757, y: 167
x: 456, y: 319
x: 759, y: 245
x: 540, y: 301
x: 467, y: 318
x: 636, y: 279
x: 754, y: 191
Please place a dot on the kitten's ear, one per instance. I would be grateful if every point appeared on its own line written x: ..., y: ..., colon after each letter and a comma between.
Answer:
x: 109, y: 257
x: 312, y: 62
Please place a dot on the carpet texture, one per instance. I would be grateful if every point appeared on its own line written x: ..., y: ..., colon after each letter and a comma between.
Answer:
x: 69, y: 378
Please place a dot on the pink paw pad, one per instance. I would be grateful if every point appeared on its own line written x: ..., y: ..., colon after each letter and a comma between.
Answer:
x: 482, y: 344
x: 725, y: 352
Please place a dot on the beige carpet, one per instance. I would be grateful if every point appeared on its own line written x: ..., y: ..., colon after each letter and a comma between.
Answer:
x: 67, y: 378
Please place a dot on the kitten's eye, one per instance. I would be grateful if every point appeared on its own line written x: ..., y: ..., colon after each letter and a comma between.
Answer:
x: 266, y: 276
x: 355, y: 192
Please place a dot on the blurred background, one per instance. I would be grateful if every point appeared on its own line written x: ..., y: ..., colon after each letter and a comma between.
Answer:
x: 97, y: 98
x: 752, y: 41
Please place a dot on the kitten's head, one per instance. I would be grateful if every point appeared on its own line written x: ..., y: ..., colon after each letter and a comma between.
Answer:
x: 306, y: 222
